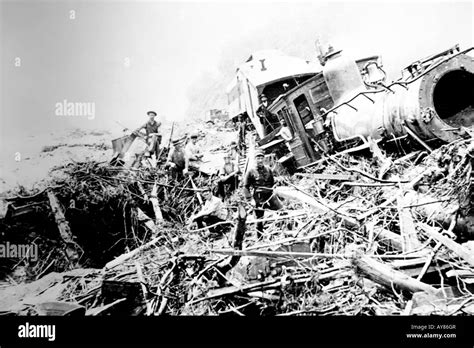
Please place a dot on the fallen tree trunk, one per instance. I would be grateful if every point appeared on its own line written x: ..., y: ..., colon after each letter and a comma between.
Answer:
x: 385, y: 275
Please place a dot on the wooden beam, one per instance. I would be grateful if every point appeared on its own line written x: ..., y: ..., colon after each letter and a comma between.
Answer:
x: 237, y: 242
x: 71, y: 248
x: 385, y: 275
x: 156, y: 206
x: 408, y: 235
x: 456, y: 248
x: 124, y: 257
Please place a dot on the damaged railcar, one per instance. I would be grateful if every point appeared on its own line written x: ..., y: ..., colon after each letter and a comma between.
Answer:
x: 348, y: 103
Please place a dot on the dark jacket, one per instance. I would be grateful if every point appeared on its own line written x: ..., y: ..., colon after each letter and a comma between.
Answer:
x: 261, y: 179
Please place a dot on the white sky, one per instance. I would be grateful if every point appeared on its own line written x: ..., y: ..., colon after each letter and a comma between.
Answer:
x: 176, y: 47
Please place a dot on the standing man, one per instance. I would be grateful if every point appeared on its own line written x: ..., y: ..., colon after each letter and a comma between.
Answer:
x: 285, y: 133
x: 268, y: 120
x: 262, y: 180
x: 212, y: 212
x: 176, y: 160
x: 192, y: 154
x: 153, y: 136
x: 228, y: 175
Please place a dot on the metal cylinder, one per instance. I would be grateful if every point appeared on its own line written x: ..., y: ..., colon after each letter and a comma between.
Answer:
x: 434, y: 105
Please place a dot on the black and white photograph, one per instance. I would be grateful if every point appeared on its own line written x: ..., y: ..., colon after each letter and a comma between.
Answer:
x: 237, y: 159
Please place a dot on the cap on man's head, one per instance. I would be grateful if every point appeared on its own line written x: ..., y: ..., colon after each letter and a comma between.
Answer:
x: 259, y: 153
x: 233, y: 144
x: 151, y: 113
x: 194, y: 135
x: 206, y: 189
x: 176, y: 141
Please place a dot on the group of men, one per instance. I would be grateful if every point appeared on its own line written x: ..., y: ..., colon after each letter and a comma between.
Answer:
x: 185, y: 158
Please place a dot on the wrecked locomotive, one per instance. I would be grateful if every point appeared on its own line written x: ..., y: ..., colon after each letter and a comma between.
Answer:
x: 347, y: 105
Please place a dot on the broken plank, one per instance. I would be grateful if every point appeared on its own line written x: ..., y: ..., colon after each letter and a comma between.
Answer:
x: 148, y: 221
x: 388, y: 238
x: 156, y: 206
x: 292, y: 193
x: 122, y: 258
x: 335, y: 177
x: 456, y: 248
x: 385, y: 275
x: 300, y: 195
x: 408, y: 234
x: 63, y: 227
x: 238, y: 240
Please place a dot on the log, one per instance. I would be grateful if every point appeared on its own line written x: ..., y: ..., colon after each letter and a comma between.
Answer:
x: 71, y: 248
x: 156, y: 206
x: 124, y: 257
x: 385, y: 275
x: 456, y: 248
x: 388, y: 238
x: 408, y: 235
x: 237, y: 242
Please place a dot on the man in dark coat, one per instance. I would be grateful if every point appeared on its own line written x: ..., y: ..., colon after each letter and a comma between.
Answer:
x: 262, y: 180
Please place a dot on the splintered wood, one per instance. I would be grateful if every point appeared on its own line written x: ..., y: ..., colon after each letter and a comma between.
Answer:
x: 356, y: 236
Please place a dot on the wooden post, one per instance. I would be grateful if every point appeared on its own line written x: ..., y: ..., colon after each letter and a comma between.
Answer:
x: 238, y: 241
x: 410, y: 240
x: 63, y: 227
x: 156, y: 206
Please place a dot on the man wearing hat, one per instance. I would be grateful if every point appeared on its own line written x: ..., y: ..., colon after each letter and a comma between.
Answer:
x: 228, y: 176
x: 268, y: 120
x: 176, y: 161
x: 212, y: 212
x: 262, y: 179
x: 192, y: 154
x: 153, y: 136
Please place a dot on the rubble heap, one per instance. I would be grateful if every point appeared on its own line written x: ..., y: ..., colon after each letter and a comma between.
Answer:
x: 356, y: 237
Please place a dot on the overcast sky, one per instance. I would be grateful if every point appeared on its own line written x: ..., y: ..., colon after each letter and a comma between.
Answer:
x: 174, y: 48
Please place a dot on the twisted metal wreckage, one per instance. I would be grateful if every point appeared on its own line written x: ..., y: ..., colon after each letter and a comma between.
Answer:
x: 367, y: 235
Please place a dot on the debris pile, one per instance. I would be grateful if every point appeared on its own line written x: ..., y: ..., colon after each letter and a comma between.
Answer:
x: 357, y: 236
